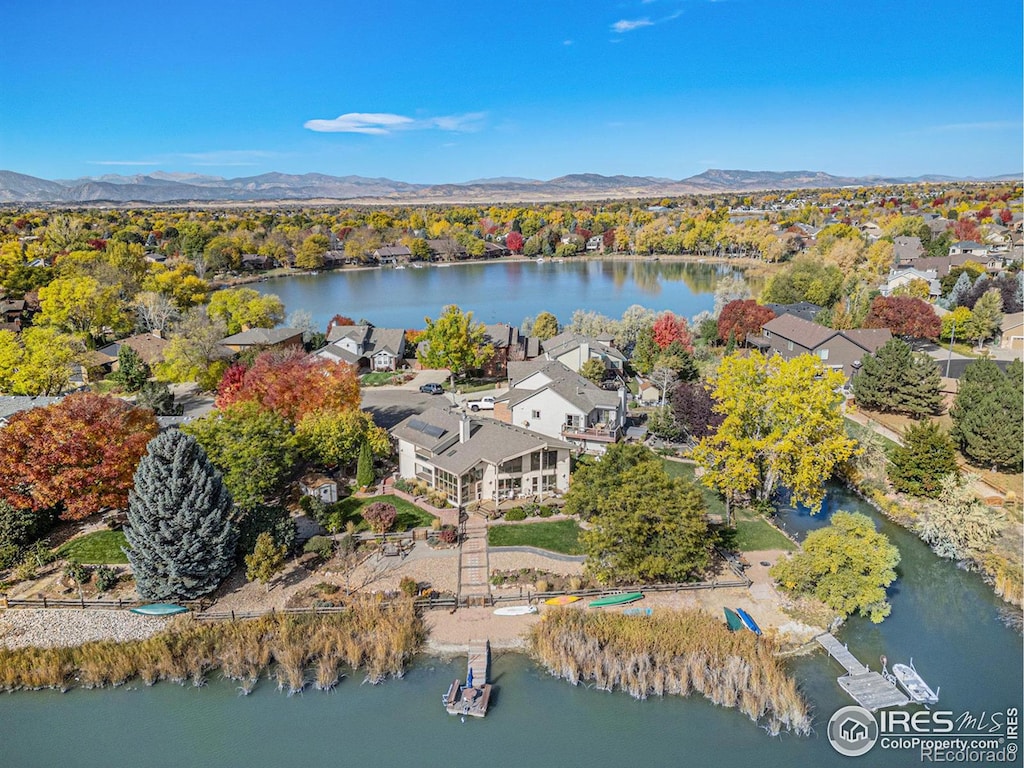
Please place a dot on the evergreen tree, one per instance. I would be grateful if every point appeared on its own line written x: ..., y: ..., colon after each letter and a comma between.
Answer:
x: 157, y: 396
x: 645, y: 352
x: 364, y: 467
x: 926, y: 456
x: 131, y: 372
x: 894, y: 379
x: 960, y: 289
x: 988, y: 414
x: 181, y: 538
x: 985, y: 317
x: 266, y: 560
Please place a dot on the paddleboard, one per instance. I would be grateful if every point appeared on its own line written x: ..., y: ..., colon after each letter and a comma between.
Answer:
x: 561, y: 600
x: 516, y: 610
x: 159, y: 609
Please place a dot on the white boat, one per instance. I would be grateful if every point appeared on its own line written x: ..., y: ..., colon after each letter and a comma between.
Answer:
x: 516, y: 610
x: 540, y: 260
x: 399, y: 266
x: 917, y: 689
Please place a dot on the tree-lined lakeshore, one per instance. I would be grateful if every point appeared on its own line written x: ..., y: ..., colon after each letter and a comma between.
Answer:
x: 214, y: 503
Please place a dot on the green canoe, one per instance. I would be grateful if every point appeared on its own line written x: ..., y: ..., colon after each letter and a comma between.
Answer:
x: 733, y: 620
x: 628, y: 597
x: 159, y: 609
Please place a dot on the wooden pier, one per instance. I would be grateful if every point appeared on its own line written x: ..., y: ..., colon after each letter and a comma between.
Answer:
x: 472, y: 699
x: 869, y: 689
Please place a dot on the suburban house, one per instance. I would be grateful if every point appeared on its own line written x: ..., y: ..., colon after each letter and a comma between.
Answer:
x: 495, y: 250
x: 479, y: 460
x: 805, y: 310
x: 906, y: 250
x: 648, y: 393
x: 941, y: 265
x: 392, y: 254
x: 790, y: 336
x: 547, y: 397
x: 574, y: 349
x: 975, y: 251
x: 148, y: 346
x: 11, y: 310
x: 279, y: 338
x: 509, y: 344
x: 366, y: 347
x: 447, y: 249
x: 899, y: 278
x: 1011, y: 332
x: 257, y: 263
x: 595, y: 243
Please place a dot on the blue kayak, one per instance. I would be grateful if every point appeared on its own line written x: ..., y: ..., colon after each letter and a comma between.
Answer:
x: 748, y: 622
x: 159, y: 609
x: 638, y: 611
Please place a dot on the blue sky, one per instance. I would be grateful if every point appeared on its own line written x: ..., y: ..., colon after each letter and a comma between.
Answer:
x: 442, y: 91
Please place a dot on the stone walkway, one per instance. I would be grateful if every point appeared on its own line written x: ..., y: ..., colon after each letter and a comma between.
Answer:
x: 474, y: 573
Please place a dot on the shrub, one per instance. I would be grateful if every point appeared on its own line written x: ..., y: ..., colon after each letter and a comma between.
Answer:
x: 516, y: 513
x: 106, y: 578
x: 547, y: 511
x: 409, y: 586
x: 575, y: 584
x: 403, y: 485
x: 380, y: 516
x: 542, y: 585
x: 448, y: 534
x: 270, y: 519
x: 322, y: 546
x: 77, y: 572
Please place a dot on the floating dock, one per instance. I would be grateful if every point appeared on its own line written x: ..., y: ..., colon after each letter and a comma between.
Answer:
x: 472, y: 699
x: 869, y: 689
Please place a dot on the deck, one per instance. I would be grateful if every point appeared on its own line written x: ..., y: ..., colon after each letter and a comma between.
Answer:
x: 472, y: 701
x: 869, y: 689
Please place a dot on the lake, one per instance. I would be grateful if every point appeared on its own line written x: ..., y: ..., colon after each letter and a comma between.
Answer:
x: 945, y: 618
x: 501, y: 291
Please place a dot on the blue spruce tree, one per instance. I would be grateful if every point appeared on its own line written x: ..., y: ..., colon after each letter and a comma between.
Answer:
x: 180, y: 533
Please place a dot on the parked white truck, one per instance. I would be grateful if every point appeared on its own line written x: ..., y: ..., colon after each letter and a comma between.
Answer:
x: 483, y: 404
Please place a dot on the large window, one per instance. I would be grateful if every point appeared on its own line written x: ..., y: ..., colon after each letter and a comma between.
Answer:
x: 513, y: 466
x: 448, y: 483
x: 549, y: 483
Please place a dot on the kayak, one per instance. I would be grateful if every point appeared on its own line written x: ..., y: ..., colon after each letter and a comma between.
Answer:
x: 626, y: 597
x: 748, y: 621
x: 516, y: 610
x: 159, y: 609
x: 735, y: 622
x: 561, y: 600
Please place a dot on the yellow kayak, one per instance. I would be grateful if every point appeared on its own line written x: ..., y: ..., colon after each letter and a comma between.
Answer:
x: 561, y: 600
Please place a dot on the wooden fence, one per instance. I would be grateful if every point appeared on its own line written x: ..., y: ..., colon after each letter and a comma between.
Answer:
x: 92, y: 604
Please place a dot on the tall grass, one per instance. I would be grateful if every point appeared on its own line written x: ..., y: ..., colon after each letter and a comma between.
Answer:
x: 673, y: 652
x: 380, y: 638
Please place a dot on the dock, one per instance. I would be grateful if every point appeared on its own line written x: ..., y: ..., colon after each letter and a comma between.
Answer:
x: 472, y: 699
x: 869, y: 689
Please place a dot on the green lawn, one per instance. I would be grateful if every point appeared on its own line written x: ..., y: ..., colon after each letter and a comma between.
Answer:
x: 100, y: 547
x: 753, y: 535
x: 377, y: 378
x: 556, y: 536
x: 409, y: 515
x: 715, y: 503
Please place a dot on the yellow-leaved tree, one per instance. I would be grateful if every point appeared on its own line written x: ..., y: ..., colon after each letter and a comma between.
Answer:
x: 782, y: 428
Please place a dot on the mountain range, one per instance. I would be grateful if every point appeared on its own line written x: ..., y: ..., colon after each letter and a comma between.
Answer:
x: 184, y: 188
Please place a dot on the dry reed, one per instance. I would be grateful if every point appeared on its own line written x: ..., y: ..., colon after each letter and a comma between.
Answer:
x: 380, y: 638
x: 673, y: 652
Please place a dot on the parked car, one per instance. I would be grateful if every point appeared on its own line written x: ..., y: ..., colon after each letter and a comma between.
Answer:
x: 431, y: 389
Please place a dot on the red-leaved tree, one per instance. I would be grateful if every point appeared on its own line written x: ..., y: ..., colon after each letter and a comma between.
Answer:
x: 740, y: 317
x: 514, y: 242
x: 78, y: 455
x: 668, y: 328
x: 291, y: 384
x: 904, y: 316
x: 966, y: 229
x: 339, y: 320
x: 1006, y: 216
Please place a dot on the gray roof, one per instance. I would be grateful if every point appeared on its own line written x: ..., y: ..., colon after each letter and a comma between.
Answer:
x: 337, y: 354
x: 569, y: 385
x: 12, y: 404
x: 393, y: 250
x: 803, y: 332
x: 802, y: 309
x: 568, y: 340
x: 371, y: 340
x: 491, y: 441
x: 906, y: 248
x: 871, y: 339
x: 262, y: 336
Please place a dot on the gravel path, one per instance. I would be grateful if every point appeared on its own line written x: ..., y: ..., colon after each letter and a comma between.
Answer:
x: 56, y: 628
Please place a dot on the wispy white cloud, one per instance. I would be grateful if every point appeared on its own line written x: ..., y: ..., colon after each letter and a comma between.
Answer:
x: 567, y: 42
x: 383, y: 123
x: 239, y: 157
x: 628, y: 25
x: 994, y: 125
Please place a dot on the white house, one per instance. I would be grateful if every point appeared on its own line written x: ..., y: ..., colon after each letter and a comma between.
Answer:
x: 898, y: 278
x: 546, y: 397
x: 320, y: 487
x: 378, y: 349
x: 475, y: 460
x: 574, y: 349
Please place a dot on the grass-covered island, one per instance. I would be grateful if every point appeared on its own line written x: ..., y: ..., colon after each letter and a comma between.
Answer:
x: 673, y: 652
x: 379, y: 638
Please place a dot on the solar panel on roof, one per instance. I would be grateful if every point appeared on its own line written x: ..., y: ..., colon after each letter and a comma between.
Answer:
x: 432, y: 430
x: 417, y: 425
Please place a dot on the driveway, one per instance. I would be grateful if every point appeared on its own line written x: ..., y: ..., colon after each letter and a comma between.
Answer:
x: 389, y: 405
